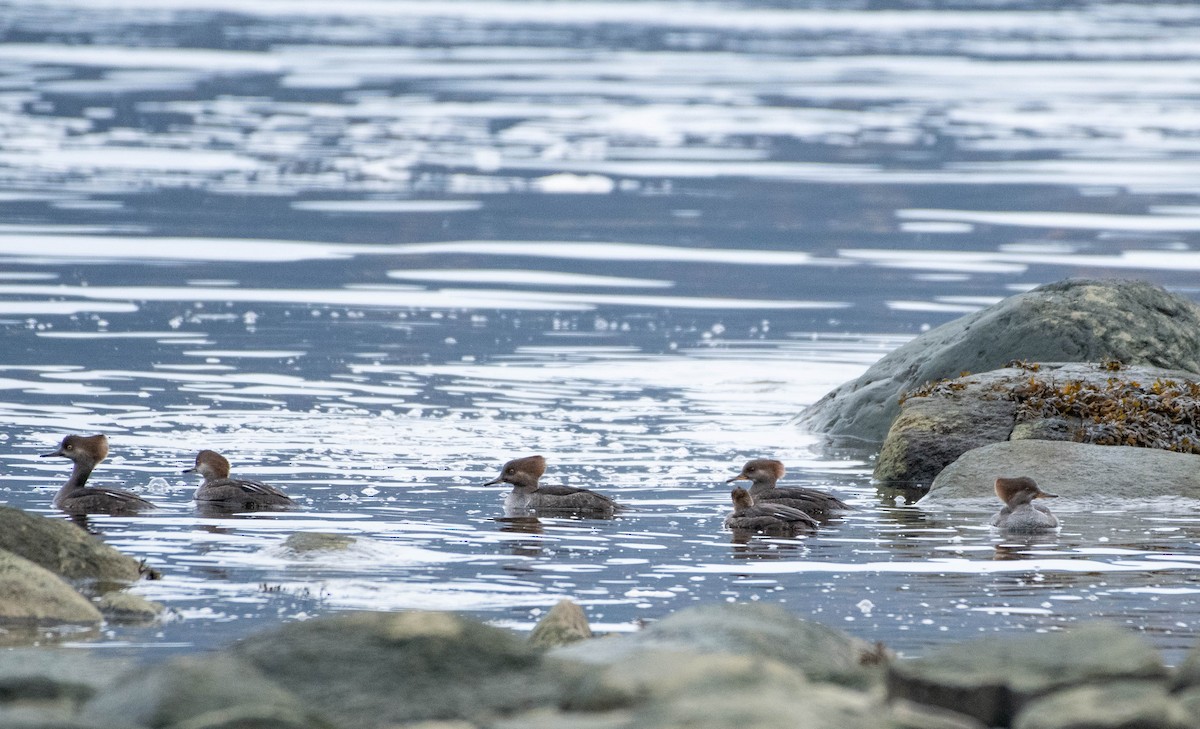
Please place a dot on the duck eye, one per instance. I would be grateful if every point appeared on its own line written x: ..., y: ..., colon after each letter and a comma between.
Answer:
x: 69, y: 447
x: 511, y: 471
x: 750, y: 470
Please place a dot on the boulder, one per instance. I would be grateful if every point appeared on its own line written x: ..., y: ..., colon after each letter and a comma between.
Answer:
x: 1074, y: 471
x: 50, y: 679
x: 1076, y: 320
x: 762, y: 631
x: 200, y: 691
x: 565, y: 623
x: 63, y: 548
x: 380, y: 669
x: 1106, y: 404
x: 1116, y: 705
x: 127, y: 607
x: 32, y: 594
x: 994, y: 678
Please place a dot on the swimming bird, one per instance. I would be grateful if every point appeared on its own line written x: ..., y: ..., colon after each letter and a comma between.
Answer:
x: 75, y: 496
x: 764, y: 472
x: 527, y: 495
x: 219, y: 489
x: 1020, y: 512
x: 769, y: 518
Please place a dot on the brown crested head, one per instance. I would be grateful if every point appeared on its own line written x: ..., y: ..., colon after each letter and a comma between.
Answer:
x: 82, y: 448
x: 210, y: 465
x: 1020, y: 490
x: 741, y: 498
x: 521, y: 471
x: 760, y: 470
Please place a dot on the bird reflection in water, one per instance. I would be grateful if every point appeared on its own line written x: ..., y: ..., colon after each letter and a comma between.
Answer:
x: 522, y: 525
x: 748, y: 544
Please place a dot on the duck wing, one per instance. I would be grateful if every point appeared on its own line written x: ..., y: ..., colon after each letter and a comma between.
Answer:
x: 805, y: 499
x: 256, y: 487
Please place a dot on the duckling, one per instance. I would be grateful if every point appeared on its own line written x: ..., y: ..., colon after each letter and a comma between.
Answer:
x: 769, y: 517
x: 764, y: 472
x: 527, y: 495
x: 75, y: 496
x: 1020, y: 513
x: 219, y: 489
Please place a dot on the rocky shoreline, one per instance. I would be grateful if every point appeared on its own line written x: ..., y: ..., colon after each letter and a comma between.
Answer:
x: 718, y: 666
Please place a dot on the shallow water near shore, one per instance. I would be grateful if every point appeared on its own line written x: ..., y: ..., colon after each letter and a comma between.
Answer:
x: 371, y: 253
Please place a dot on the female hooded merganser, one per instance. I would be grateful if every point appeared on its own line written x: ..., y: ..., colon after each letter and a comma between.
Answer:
x: 764, y: 472
x: 78, y: 498
x: 1020, y: 513
x: 219, y: 489
x: 527, y: 495
x: 770, y: 518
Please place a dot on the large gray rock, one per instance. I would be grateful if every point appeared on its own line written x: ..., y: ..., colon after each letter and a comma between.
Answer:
x: 1107, y: 405
x: 1074, y: 471
x: 200, y: 691
x: 1117, y: 705
x: 993, y: 679
x: 1076, y: 320
x: 762, y: 631
x: 380, y: 669
x: 53, y: 680
x: 33, y: 594
x: 63, y: 548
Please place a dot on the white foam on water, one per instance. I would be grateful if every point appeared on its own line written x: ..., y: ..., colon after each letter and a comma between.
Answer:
x: 525, y: 278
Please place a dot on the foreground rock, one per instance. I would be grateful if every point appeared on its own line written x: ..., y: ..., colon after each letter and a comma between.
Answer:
x: 380, y: 669
x: 1115, y: 705
x: 205, y: 691
x: 1080, y: 471
x: 762, y: 631
x: 63, y: 548
x: 1076, y: 320
x: 995, y: 678
x: 1106, y: 404
x: 32, y: 594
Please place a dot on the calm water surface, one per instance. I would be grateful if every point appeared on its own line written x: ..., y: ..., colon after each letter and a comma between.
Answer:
x: 372, y: 252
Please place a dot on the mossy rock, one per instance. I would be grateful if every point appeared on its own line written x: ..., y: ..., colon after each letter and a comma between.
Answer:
x: 30, y: 593
x: 63, y: 548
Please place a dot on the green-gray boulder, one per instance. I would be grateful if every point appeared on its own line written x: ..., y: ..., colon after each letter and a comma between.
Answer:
x: 63, y: 548
x: 200, y: 691
x: 565, y: 623
x: 1076, y: 320
x: 763, y: 631
x: 994, y: 678
x: 1117, y: 705
x: 301, y: 543
x: 380, y: 669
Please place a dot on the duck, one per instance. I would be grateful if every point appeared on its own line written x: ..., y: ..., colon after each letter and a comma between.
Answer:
x: 75, y: 496
x: 770, y: 518
x: 528, y: 495
x: 219, y: 489
x: 763, y: 473
x: 1020, y: 512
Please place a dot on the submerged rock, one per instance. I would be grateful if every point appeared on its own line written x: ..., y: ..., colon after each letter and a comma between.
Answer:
x: 1106, y: 404
x: 32, y: 594
x: 565, y: 623
x: 305, y: 542
x: 127, y: 607
x: 1076, y: 320
x: 380, y: 669
x: 63, y: 548
x: 201, y: 691
x: 1072, y: 470
x: 763, y: 631
x: 993, y: 679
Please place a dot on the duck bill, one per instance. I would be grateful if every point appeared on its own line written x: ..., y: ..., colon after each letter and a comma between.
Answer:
x: 188, y: 470
x: 50, y: 455
x: 739, y: 477
x: 494, y: 481
x: 1045, y: 495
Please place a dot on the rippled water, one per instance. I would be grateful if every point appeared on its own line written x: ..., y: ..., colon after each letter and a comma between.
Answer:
x: 372, y: 250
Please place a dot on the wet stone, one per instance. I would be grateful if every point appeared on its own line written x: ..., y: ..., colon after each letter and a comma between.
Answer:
x: 128, y: 607
x: 994, y: 678
x: 565, y: 623
x: 63, y: 548
x: 305, y: 542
